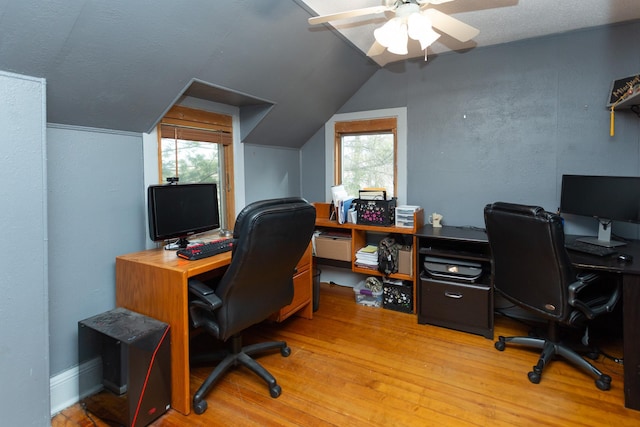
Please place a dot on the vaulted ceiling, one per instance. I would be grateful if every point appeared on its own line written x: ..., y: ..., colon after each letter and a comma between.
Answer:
x: 120, y: 64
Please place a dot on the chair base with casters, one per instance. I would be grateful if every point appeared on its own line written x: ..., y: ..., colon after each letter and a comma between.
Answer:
x: 236, y: 355
x: 552, y: 347
x: 532, y: 269
x: 270, y: 237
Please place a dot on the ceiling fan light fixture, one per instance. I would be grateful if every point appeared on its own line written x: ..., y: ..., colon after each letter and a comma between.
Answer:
x: 387, y: 34
x: 408, y: 22
x: 401, y: 38
x: 420, y: 29
x: 394, y: 36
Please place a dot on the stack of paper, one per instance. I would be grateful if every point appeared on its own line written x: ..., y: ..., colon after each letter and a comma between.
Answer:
x: 367, y: 257
x: 342, y: 202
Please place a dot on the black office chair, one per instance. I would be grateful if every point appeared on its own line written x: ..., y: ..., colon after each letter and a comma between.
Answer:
x: 531, y: 268
x: 270, y: 238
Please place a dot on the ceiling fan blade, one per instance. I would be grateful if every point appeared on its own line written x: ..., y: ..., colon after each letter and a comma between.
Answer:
x: 424, y: 3
x: 452, y: 26
x: 376, y: 49
x: 348, y: 14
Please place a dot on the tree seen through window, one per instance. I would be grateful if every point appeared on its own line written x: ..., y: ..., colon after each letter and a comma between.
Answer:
x: 368, y: 161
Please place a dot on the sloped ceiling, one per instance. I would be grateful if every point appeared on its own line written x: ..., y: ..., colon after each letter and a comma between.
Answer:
x: 499, y: 21
x: 120, y: 64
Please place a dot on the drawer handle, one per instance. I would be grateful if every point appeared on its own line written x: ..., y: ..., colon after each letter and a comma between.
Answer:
x: 452, y: 295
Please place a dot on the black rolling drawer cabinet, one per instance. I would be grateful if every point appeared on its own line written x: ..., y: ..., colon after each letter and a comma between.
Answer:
x: 454, y: 295
x: 460, y: 306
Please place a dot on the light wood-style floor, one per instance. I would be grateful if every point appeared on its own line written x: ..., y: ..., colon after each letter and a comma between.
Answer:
x: 360, y: 366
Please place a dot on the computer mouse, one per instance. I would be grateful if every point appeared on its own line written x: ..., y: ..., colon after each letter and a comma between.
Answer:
x: 625, y: 258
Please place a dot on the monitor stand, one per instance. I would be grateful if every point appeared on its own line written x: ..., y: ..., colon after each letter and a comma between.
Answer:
x: 604, y: 236
x: 179, y: 244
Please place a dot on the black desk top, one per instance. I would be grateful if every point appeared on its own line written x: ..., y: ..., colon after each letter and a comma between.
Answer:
x: 580, y: 260
x: 611, y: 262
x: 448, y: 232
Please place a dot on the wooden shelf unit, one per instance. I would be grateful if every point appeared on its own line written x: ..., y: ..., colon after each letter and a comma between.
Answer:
x: 359, y: 240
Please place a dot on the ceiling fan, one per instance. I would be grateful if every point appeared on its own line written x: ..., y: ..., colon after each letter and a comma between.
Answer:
x: 414, y: 19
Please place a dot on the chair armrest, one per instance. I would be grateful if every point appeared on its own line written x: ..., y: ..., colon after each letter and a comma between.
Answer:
x: 591, y: 311
x: 208, y: 299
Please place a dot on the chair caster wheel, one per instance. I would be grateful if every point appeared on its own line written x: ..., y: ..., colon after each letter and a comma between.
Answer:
x: 604, y: 382
x: 499, y: 345
x: 285, y: 351
x: 275, y: 391
x: 200, y: 407
x: 534, y: 377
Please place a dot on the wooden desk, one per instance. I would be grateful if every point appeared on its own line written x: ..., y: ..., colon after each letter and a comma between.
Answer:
x: 154, y: 283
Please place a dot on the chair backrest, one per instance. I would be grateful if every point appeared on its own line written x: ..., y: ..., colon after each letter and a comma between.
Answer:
x: 270, y: 238
x: 530, y: 264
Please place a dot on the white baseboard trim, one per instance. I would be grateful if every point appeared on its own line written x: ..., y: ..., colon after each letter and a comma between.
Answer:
x: 65, y: 387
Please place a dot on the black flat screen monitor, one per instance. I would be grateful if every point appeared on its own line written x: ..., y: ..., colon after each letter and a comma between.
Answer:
x: 179, y: 210
x: 606, y: 198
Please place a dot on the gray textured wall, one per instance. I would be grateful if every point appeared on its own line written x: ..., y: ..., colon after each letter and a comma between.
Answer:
x: 24, y: 359
x: 271, y: 172
x: 312, y: 160
x: 96, y: 212
x: 505, y: 122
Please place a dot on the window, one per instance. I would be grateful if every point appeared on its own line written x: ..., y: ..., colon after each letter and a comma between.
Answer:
x: 196, y: 146
x: 366, y: 155
x: 372, y: 126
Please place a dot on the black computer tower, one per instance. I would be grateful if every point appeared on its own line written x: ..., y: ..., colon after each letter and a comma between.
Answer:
x: 125, y: 374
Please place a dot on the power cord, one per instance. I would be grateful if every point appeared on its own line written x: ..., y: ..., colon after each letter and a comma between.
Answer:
x: 618, y: 360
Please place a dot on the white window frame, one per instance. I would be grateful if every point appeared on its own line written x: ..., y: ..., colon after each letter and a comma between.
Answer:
x: 400, y: 114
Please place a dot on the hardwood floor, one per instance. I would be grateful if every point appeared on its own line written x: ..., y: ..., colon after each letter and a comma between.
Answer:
x: 360, y: 366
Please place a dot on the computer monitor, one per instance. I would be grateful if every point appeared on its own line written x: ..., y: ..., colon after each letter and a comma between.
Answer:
x: 176, y: 211
x: 606, y: 198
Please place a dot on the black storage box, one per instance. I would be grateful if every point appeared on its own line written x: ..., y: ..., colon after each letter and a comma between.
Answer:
x: 376, y: 212
x: 132, y: 354
x: 397, y: 295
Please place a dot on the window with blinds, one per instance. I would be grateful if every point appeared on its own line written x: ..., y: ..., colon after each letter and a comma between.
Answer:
x: 196, y: 146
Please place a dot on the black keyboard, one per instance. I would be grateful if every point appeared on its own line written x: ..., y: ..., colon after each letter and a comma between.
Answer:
x: 588, y: 248
x: 204, y: 250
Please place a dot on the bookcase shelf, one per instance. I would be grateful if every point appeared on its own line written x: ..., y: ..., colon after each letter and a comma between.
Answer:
x: 359, y: 240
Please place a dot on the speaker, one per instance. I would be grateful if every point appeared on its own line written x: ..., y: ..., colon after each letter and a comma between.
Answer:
x: 125, y: 374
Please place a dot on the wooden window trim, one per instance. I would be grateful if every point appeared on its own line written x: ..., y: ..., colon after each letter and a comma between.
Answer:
x: 198, y: 125
x: 190, y: 117
x: 387, y: 124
